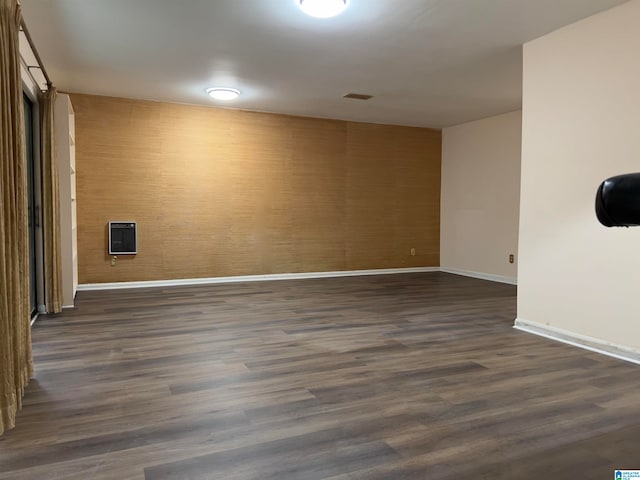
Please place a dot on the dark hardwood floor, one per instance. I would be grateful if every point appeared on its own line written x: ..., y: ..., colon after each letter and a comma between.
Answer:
x: 414, y: 376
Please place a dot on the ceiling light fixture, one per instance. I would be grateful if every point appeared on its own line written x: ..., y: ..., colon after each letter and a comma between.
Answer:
x: 223, y: 93
x: 323, y: 8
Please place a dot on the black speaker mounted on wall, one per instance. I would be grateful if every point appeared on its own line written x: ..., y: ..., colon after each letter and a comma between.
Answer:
x: 618, y: 201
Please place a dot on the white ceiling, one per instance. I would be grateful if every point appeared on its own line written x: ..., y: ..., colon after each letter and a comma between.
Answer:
x: 428, y: 63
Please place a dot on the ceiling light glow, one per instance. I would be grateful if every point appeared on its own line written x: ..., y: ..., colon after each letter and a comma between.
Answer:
x: 323, y: 8
x: 223, y: 93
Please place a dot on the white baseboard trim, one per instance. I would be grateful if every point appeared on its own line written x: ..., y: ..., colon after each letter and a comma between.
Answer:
x: 581, y: 341
x: 68, y: 307
x: 251, y: 278
x: 482, y: 276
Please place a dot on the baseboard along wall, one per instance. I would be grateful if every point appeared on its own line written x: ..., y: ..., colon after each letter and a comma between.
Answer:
x: 577, y: 340
x: 251, y: 278
x: 482, y: 276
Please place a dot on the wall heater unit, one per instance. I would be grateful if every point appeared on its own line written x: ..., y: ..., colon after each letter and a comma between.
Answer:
x: 123, y: 238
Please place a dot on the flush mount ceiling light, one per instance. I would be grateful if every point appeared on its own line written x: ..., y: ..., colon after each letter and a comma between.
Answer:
x: 322, y: 8
x: 223, y: 93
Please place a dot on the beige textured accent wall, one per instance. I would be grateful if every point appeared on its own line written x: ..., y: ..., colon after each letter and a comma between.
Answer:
x: 581, y: 124
x: 220, y: 192
x: 481, y: 196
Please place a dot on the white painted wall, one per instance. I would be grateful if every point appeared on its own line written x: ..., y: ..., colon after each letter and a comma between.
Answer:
x: 581, y: 124
x: 481, y: 196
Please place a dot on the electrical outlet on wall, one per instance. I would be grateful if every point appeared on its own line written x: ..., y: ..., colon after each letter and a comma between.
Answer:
x: 413, y: 252
x: 512, y: 258
x: 114, y: 260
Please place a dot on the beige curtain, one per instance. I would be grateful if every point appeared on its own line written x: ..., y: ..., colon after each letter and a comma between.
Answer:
x: 16, y: 365
x: 50, y: 205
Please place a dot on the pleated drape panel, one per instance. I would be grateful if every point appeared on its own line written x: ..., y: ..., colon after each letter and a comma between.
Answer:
x: 50, y: 205
x: 16, y: 365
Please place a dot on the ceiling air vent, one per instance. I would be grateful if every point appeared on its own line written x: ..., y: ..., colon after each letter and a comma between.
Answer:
x: 357, y: 96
